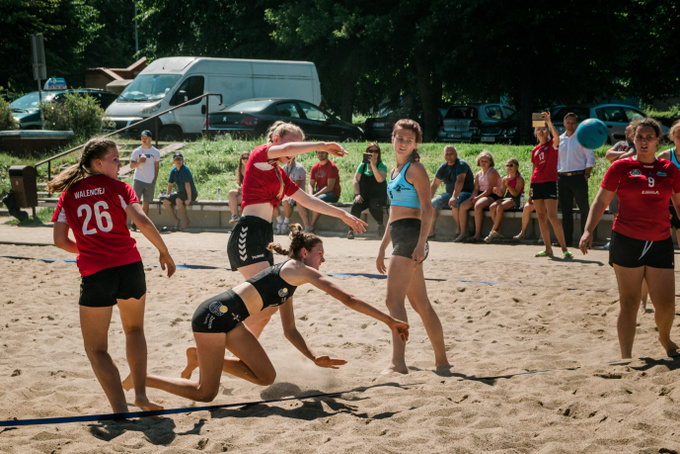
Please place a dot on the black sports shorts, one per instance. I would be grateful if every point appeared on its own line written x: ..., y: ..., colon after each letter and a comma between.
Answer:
x: 219, y: 314
x: 248, y: 242
x: 547, y: 190
x: 405, y: 233
x: 105, y: 287
x: 631, y: 253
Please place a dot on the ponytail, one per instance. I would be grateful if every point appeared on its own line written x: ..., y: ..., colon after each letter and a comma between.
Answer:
x: 298, y: 240
x: 94, y: 149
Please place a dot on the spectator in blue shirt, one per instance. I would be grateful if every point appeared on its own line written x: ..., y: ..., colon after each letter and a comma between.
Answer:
x: 185, y: 194
x: 460, y: 182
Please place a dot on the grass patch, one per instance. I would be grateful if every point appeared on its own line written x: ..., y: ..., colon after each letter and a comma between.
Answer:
x: 213, y: 163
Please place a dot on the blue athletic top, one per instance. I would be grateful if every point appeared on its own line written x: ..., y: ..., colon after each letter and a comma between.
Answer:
x: 401, y: 192
x: 273, y: 290
x: 674, y: 159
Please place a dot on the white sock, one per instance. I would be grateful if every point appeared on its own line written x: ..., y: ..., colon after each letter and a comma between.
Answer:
x: 286, y: 221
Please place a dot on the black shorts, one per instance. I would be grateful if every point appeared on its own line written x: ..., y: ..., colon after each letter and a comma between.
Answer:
x: 248, y: 242
x: 105, y: 287
x: 405, y: 233
x: 675, y: 221
x: 547, y: 190
x: 631, y: 253
x: 219, y: 314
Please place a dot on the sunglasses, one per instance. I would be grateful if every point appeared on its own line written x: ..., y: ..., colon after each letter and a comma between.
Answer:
x: 509, y: 165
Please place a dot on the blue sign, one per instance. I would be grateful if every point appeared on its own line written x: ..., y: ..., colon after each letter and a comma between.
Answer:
x: 55, y: 83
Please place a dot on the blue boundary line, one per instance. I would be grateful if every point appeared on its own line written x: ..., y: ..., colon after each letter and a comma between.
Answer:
x: 210, y: 267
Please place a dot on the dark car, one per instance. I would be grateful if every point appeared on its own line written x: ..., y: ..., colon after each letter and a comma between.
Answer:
x: 474, y: 123
x: 26, y: 110
x: 252, y: 117
x: 380, y: 128
x: 503, y: 131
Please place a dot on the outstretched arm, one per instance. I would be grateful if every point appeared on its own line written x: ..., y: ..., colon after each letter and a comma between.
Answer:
x: 318, y: 205
x: 297, y: 148
x: 322, y: 282
x: 299, y: 342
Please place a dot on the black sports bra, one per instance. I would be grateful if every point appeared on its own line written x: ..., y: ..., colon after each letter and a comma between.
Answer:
x: 273, y: 290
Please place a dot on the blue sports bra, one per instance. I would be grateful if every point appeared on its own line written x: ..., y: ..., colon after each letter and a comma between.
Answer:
x: 273, y: 290
x: 401, y: 192
x: 674, y: 159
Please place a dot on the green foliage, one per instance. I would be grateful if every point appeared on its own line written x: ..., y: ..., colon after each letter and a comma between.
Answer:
x: 7, y: 120
x: 666, y: 117
x: 79, y: 113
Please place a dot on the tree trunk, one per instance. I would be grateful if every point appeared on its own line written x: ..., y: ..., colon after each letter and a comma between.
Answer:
x: 430, y: 90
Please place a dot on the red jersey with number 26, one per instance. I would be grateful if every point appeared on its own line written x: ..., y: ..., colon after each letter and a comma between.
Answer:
x: 544, y: 157
x: 644, y: 191
x: 94, y: 208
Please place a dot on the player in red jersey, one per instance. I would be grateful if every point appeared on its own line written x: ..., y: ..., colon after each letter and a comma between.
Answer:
x: 543, y: 189
x: 264, y: 186
x: 641, y: 244
x: 95, y: 206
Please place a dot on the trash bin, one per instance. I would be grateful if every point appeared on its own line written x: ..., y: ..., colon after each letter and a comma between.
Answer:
x: 24, y: 185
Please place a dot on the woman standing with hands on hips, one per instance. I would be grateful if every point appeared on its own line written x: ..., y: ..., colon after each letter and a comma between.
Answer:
x: 408, y: 226
x: 95, y: 205
x: 641, y: 246
x: 264, y: 186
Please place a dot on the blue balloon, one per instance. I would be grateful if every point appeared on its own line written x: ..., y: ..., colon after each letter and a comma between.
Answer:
x: 592, y: 133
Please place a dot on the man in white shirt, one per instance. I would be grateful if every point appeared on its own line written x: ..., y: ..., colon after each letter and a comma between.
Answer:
x: 146, y: 161
x: 573, y: 169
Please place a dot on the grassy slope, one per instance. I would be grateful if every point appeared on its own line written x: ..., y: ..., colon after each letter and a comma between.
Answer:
x: 213, y: 163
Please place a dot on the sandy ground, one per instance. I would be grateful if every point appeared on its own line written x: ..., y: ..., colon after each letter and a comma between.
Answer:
x: 504, y: 312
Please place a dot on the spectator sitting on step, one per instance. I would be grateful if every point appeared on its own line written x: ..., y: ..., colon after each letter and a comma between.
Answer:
x: 324, y: 183
x: 234, y: 195
x: 186, y: 191
x: 370, y: 188
x: 512, y: 188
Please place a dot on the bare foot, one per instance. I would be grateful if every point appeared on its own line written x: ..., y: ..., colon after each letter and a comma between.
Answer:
x: 401, y: 369
x: 144, y: 403
x: 444, y: 371
x: 185, y: 224
x: 127, y: 383
x: 192, y: 363
x: 671, y: 348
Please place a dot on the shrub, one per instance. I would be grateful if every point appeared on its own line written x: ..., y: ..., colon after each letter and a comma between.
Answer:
x: 7, y: 120
x: 79, y: 113
x: 666, y: 117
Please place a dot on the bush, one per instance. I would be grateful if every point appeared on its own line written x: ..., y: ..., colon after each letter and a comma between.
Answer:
x: 79, y: 113
x: 7, y: 120
x: 666, y: 117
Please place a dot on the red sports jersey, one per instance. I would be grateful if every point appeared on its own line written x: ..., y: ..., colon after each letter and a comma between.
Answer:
x: 94, y: 208
x: 544, y: 157
x: 321, y: 173
x: 260, y: 183
x: 644, y: 191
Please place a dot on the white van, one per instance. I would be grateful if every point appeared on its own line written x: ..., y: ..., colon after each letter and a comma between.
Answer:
x: 168, y: 82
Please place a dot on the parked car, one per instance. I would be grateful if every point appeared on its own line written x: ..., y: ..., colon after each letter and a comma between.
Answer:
x: 615, y: 116
x: 26, y: 110
x: 252, y: 117
x: 503, y: 131
x: 380, y: 128
x: 475, y: 123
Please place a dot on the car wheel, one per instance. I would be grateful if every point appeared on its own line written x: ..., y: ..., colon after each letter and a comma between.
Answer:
x: 170, y: 134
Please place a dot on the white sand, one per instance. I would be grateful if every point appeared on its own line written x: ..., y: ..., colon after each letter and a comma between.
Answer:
x: 504, y: 313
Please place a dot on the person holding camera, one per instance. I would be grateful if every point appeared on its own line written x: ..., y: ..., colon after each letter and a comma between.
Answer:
x: 146, y: 161
x: 370, y: 188
x: 185, y: 194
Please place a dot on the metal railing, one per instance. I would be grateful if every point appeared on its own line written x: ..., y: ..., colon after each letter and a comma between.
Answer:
x: 154, y: 117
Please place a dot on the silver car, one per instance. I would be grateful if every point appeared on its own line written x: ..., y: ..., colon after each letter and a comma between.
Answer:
x: 615, y: 116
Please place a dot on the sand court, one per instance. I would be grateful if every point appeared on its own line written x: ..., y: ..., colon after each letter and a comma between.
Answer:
x: 532, y: 342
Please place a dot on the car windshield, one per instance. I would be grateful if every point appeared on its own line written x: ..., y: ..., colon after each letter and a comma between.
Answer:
x: 148, y: 87
x: 31, y: 101
x: 461, y: 112
x: 251, y: 106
